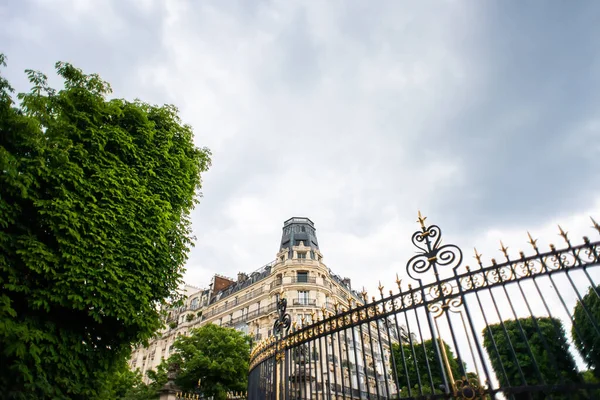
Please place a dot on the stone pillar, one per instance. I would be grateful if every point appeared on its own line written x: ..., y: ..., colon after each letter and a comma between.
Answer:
x: 170, y: 389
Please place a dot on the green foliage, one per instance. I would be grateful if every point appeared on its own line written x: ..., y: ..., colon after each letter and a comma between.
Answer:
x: 549, y: 347
x: 586, y: 337
x: 217, y: 356
x: 417, y: 363
x: 159, y: 377
x: 126, y: 384
x: 189, y: 317
x: 95, y: 197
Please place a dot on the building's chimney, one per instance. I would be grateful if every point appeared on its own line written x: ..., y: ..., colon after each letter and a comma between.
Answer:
x: 220, y: 283
x: 346, y: 282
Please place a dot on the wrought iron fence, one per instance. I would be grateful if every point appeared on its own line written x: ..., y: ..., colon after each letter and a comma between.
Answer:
x: 195, y: 396
x: 522, y: 328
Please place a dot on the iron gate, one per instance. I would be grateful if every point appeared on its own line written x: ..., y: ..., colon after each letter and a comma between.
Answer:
x: 524, y: 328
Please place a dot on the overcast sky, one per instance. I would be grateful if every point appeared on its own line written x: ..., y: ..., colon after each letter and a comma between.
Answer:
x: 483, y: 115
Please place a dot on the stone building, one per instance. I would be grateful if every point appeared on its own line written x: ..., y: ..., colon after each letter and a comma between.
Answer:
x: 248, y: 303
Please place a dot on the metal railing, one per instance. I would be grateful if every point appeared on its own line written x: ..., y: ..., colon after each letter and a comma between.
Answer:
x: 304, y: 302
x: 303, y: 279
x: 510, y: 329
x: 275, y: 283
x: 262, y: 311
x: 234, y: 302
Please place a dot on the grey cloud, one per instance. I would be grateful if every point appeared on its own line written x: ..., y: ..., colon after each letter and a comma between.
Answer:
x: 481, y: 116
x: 114, y: 41
x: 539, y: 86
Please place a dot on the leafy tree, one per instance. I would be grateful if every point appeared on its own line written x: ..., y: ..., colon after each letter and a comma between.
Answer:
x: 95, y: 196
x: 548, y: 345
x: 217, y: 357
x: 586, y: 337
x: 417, y: 364
x: 125, y: 384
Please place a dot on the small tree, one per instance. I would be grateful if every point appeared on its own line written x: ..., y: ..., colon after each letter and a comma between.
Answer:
x: 416, y: 366
x: 548, y: 345
x: 584, y: 333
x: 216, y: 357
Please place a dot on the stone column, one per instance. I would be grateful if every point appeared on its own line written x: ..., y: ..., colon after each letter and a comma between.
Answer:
x: 170, y: 389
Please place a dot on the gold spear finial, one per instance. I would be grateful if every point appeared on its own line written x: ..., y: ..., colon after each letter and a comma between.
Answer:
x: 532, y: 241
x: 380, y: 287
x: 504, y: 249
x: 398, y: 281
x: 421, y: 220
x: 364, y: 294
x: 596, y: 225
x: 563, y: 234
x: 336, y: 305
x: 477, y: 256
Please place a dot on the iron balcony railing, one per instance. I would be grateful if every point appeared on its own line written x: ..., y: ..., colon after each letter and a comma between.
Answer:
x: 234, y: 302
x: 304, y: 302
x: 262, y: 311
x: 249, y: 296
x: 275, y: 283
x: 302, y: 260
x: 303, y: 279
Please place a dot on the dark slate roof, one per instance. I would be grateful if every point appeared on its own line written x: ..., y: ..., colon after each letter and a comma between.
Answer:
x: 254, y: 277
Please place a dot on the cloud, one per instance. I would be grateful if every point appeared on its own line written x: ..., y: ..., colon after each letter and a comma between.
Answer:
x: 482, y: 116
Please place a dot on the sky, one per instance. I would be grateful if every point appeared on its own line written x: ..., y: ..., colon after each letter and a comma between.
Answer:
x: 356, y: 114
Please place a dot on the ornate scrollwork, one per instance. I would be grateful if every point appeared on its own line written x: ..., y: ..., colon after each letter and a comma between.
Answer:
x: 441, y: 290
x: 284, y: 321
x: 431, y: 252
x: 438, y: 308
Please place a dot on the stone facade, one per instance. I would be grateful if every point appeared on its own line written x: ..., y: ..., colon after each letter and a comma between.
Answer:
x: 248, y: 303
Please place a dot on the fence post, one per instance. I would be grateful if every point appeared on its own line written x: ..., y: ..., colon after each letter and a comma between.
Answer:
x: 170, y: 389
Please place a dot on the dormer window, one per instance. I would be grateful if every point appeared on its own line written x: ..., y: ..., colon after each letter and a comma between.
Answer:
x: 302, y: 254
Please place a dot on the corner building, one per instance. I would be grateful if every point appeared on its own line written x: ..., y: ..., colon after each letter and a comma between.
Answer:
x: 249, y: 303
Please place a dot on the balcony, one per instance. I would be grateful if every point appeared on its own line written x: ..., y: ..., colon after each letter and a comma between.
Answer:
x: 275, y: 283
x: 300, y: 260
x: 232, y: 303
x: 249, y: 296
x: 304, y: 302
x: 303, y: 279
x: 262, y: 311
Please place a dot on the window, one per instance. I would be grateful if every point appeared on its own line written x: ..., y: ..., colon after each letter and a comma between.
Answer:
x: 302, y: 276
x: 194, y: 303
x: 302, y: 254
x: 303, y: 297
x: 303, y: 229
